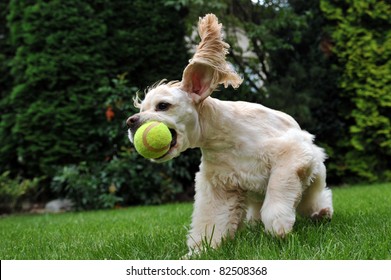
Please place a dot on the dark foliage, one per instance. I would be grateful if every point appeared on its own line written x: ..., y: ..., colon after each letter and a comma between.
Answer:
x: 69, y: 70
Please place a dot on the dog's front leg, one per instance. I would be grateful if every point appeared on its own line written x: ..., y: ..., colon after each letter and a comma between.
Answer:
x: 283, y: 193
x: 217, y: 214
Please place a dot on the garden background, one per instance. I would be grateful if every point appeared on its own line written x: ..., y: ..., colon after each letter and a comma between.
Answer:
x: 69, y: 70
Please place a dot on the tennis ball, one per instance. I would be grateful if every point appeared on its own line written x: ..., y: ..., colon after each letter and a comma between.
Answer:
x: 152, y: 140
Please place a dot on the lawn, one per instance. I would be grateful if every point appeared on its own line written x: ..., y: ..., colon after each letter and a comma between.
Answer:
x: 360, y: 229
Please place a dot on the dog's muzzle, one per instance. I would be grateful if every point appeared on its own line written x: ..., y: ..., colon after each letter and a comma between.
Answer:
x: 134, y: 122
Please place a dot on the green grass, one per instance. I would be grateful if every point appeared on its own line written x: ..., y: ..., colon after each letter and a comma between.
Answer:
x: 360, y: 229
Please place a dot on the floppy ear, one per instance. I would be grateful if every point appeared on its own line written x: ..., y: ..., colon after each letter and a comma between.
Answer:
x: 197, y: 81
x: 208, y: 67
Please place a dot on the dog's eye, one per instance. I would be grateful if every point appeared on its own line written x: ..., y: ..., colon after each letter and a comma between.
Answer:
x: 162, y: 106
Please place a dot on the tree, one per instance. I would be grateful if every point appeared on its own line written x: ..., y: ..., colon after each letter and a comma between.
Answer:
x: 6, y: 51
x: 64, y: 52
x: 149, y: 46
x: 7, y: 148
x: 361, y: 34
x: 57, y: 67
x: 64, y: 110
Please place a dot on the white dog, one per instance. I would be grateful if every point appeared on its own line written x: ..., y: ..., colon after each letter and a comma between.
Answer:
x: 256, y: 162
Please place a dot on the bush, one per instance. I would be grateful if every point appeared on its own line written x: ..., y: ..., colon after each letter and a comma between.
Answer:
x: 125, y: 180
x: 362, y: 44
x: 12, y: 190
x: 87, y: 186
x: 54, y: 121
x: 57, y: 65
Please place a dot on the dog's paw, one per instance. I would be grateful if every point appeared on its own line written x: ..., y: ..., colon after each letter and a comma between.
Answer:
x: 278, y: 221
x: 280, y: 227
x: 322, y: 215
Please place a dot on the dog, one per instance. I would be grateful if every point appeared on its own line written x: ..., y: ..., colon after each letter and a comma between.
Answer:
x: 257, y: 163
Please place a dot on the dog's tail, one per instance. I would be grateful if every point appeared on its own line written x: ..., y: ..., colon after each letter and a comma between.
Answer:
x: 211, y: 52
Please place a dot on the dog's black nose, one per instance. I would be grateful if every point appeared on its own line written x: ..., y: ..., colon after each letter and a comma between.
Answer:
x: 132, y: 121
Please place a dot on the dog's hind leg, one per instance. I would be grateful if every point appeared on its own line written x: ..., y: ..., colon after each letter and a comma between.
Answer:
x: 217, y: 214
x: 317, y: 199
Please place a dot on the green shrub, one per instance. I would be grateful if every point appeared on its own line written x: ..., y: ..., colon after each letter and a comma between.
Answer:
x: 57, y: 65
x: 56, y: 55
x: 12, y: 190
x: 87, y: 186
x: 361, y: 33
x: 125, y: 180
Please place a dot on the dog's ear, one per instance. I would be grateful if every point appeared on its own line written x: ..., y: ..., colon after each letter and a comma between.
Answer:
x: 208, y: 67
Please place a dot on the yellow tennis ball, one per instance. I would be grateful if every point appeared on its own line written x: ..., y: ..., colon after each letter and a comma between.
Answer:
x: 152, y: 140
